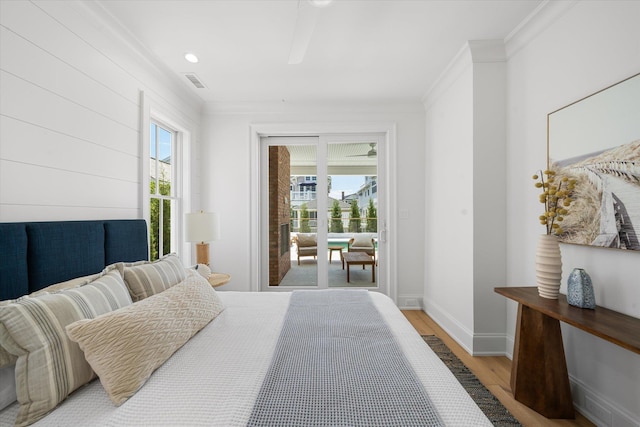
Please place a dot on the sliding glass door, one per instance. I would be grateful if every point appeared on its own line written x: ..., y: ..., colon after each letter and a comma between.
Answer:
x: 320, y: 204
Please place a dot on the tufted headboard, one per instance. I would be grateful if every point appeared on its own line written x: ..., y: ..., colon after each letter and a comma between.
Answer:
x: 34, y: 255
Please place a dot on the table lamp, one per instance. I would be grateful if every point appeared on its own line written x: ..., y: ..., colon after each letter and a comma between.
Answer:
x: 202, y: 227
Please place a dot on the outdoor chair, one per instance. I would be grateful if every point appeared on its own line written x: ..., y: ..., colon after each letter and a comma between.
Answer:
x: 362, y: 243
x: 307, y: 244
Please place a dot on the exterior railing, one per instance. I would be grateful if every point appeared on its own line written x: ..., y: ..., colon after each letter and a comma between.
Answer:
x: 302, y: 195
x: 313, y: 225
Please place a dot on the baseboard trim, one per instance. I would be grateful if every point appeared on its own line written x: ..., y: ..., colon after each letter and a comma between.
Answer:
x: 591, y: 404
x: 597, y: 409
x: 451, y: 326
x: 489, y: 344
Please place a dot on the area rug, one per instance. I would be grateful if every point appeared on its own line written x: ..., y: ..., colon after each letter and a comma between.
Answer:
x: 488, y: 403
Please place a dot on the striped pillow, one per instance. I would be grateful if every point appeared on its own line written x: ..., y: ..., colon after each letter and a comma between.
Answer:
x: 150, y: 278
x: 9, y: 359
x: 49, y: 365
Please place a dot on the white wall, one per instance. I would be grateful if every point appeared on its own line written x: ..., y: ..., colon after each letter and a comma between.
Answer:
x: 554, y: 61
x: 448, y: 290
x: 465, y: 234
x: 226, y: 155
x: 568, y: 50
x: 70, y: 113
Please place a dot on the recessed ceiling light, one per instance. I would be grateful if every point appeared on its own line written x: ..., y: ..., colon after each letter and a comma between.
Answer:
x: 191, y: 57
x: 320, y: 3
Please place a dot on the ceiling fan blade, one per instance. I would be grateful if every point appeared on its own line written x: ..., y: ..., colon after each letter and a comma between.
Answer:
x: 305, y: 24
x: 370, y: 153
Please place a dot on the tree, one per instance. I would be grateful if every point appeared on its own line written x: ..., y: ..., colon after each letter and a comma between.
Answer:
x: 354, y: 217
x: 304, y: 219
x: 336, y: 218
x: 154, y: 229
x: 372, y: 217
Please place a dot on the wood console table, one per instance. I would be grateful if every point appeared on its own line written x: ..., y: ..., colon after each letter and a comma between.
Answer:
x: 539, y: 377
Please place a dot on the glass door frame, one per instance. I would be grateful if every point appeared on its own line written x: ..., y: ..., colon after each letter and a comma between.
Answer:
x: 322, y: 143
x: 388, y: 129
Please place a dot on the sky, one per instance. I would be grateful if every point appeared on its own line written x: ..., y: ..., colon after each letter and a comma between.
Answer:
x: 347, y: 183
x: 164, y: 142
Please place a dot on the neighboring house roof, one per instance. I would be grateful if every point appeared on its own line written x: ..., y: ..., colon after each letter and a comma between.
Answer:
x: 313, y: 204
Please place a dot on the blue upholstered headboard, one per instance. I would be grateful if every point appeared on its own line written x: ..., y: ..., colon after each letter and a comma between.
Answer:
x: 34, y: 255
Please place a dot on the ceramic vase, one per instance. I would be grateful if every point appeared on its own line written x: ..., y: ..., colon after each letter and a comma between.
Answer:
x: 580, y: 289
x: 548, y: 266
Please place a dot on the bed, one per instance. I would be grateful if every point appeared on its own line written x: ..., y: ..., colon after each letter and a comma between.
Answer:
x: 334, y: 357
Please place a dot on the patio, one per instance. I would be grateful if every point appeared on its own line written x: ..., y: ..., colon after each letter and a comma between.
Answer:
x: 306, y: 274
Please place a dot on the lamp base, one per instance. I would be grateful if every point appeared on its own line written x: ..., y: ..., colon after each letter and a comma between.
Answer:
x: 202, y: 253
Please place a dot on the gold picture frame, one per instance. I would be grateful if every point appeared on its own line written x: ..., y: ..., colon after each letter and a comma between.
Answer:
x: 596, y: 140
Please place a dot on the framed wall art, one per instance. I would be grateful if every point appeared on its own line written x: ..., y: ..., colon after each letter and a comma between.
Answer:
x: 596, y: 140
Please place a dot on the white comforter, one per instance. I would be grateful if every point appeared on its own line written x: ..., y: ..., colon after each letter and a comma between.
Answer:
x: 214, y: 379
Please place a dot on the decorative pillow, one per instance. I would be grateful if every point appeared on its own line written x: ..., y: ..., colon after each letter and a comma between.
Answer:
x: 125, y: 346
x: 6, y: 358
x: 9, y: 359
x: 307, y: 239
x: 362, y: 241
x: 7, y: 386
x: 49, y: 365
x: 150, y: 278
x: 203, y: 270
x: 73, y: 283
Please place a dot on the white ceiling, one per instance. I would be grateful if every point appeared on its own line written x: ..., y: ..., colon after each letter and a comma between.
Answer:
x: 358, y: 51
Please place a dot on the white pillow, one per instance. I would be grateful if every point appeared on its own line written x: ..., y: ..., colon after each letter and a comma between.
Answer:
x: 204, y: 270
x: 362, y: 241
x: 125, y: 346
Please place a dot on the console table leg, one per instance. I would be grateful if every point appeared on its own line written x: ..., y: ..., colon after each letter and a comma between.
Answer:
x: 539, y: 377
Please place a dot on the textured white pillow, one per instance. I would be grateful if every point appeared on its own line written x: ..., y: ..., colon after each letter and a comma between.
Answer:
x: 125, y: 346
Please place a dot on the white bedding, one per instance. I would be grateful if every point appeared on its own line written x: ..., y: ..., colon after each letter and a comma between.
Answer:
x: 214, y: 378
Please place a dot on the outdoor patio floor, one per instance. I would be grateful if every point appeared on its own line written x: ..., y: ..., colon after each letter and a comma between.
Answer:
x: 306, y: 274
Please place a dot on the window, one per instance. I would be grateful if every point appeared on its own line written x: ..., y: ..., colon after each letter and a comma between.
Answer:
x: 162, y: 190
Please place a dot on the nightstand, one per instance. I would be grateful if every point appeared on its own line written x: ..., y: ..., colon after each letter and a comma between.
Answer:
x: 219, y: 279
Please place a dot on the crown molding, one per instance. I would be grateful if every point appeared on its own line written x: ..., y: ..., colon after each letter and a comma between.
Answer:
x: 473, y: 52
x: 536, y: 23
x: 487, y: 51
x: 118, y: 31
x: 305, y: 108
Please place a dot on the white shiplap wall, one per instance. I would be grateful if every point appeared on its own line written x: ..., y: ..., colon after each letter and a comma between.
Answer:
x: 70, y: 113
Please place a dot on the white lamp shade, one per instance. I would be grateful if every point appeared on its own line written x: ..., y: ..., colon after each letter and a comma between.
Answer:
x: 202, y: 227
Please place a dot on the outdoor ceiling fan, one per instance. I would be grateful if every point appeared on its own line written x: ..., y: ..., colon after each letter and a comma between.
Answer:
x: 305, y: 23
x: 370, y: 153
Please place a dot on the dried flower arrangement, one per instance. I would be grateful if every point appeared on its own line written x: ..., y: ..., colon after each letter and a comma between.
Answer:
x: 556, y: 196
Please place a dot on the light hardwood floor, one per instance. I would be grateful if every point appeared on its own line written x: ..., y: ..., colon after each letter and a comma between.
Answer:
x: 493, y: 371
